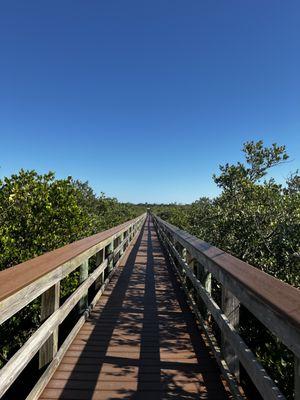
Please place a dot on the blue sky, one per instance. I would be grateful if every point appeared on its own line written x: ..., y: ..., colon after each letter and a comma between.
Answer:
x: 144, y: 99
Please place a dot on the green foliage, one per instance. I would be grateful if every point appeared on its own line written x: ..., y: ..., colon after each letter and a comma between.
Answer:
x: 258, y: 221
x: 38, y: 214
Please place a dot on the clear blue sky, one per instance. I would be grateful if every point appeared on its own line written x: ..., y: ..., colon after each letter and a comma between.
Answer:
x: 144, y: 99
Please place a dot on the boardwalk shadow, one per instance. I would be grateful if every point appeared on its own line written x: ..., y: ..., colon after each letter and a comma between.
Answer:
x: 142, y: 342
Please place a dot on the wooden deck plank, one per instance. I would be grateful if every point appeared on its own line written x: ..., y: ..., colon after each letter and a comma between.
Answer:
x: 141, y: 340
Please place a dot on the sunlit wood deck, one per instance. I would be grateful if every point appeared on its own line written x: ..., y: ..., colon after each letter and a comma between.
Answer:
x: 141, y: 340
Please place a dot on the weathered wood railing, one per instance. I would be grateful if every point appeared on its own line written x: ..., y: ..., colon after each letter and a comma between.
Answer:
x: 274, y: 303
x: 23, y: 283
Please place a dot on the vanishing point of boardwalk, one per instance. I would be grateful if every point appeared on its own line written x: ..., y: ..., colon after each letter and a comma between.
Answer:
x: 141, y: 340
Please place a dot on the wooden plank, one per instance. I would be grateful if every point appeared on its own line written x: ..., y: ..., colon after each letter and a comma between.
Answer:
x: 275, y: 303
x: 49, y: 304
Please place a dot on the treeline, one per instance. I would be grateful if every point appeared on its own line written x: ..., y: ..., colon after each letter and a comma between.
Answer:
x: 258, y: 220
x: 39, y: 213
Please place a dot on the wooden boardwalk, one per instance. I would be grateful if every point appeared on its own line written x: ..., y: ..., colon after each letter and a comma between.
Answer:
x: 141, y: 341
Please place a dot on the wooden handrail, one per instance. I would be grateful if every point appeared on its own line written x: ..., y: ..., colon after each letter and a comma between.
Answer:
x: 23, y: 283
x: 281, y: 297
x: 273, y: 302
x: 15, y: 278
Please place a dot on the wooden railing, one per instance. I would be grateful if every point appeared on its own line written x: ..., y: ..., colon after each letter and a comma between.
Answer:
x: 23, y: 283
x: 275, y: 304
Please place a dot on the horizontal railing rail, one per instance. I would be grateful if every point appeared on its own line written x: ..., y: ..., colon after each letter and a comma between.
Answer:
x: 274, y: 303
x: 23, y: 283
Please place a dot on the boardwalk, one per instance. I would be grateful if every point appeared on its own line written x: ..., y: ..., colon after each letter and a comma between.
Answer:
x: 141, y: 341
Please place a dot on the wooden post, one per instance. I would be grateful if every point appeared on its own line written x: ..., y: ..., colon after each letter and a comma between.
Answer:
x: 122, y: 238
x: 110, y: 255
x: 83, y: 274
x: 190, y: 262
x: 49, y: 304
x: 183, y: 254
x: 205, y: 278
x: 99, y: 260
x: 297, y: 378
x: 131, y: 233
x: 230, y: 307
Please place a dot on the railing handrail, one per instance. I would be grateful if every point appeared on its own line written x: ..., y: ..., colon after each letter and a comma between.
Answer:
x: 21, y: 275
x: 283, y: 298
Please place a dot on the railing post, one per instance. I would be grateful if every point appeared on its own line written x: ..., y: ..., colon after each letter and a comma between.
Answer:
x: 49, y: 304
x: 83, y: 274
x: 131, y: 233
x: 99, y: 260
x: 126, y: 237
x: 205, y: 278
x: 191, y: 263
x: 110, y: 256
x: 230, y: 307
x: 122, y: 248
x: 297, y: 378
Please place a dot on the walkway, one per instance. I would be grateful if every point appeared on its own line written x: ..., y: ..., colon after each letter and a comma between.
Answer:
x: 141, y: 341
